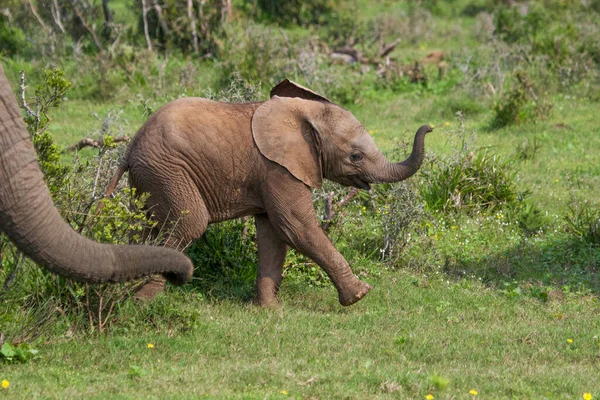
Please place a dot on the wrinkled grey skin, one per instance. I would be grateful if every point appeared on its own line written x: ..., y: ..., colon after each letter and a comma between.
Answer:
x: 29, y: 218
x: 204, y: 161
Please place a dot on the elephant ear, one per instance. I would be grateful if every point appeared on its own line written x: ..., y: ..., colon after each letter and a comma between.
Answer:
x: 287, y: 88
x: 283, y: 131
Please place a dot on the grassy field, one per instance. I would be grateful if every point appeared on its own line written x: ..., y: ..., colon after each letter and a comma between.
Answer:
x: 414, y: 335
x: 480, y: 301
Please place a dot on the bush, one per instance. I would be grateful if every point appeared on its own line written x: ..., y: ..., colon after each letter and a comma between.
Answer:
x: 226, y: 258
x: 14, y: 42
x: 260, y: 56
x: 252, y: 52
x: 583, y: 221
x: 210, y: 16
x: 298, y: 12
x: 471, y: 179
x: 520, y: 104
x: 558, y: 30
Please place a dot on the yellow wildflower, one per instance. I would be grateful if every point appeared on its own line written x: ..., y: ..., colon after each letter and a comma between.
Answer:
x: 569, y: 341
x: 447, y: 123
x: 283, y: 392
x: 586, y: 396
x: 150, y: 345
x: 429, y: 397
x: 6, y: 384
x: 473, y: 392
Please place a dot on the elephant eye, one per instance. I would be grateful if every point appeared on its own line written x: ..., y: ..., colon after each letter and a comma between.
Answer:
x: 354, y: 157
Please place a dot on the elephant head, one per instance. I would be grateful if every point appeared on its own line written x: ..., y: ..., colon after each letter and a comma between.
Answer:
x: 29, y: 218
x: 314, y: 138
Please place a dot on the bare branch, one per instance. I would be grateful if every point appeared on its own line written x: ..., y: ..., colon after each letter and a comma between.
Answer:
x: 330, y: 213
x: 192, y: 18
x: 145, y: 20
x: 389, y: 48
x: 161, y: 18
x: 84, y: 23
x: 37, y: 16
x: 89, y: 142
x: 225, y: 10
x: 55, y: 11
x: 28, y: 111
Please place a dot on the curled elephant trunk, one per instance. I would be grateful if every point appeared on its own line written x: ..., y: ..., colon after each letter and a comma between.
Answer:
x: 29, y: 218
x: 396, y: 172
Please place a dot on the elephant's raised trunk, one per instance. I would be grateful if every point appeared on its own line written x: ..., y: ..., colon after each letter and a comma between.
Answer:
x: 29, y: 218
x: 396, y: 172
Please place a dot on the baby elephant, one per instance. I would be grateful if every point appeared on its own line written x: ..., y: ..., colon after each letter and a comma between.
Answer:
x: 204, y: 161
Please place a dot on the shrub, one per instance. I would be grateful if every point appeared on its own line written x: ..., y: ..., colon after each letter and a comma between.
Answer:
x: 520, y: 104
x: 253, y: 52
x: 299, y: 12
x: 472, y: 181
x: 48, y: 95
x: 558, y: 30
x: 263, y: 57
x: 401, y: 212
x: 237, y: 91
x: 583, y: 221
x: 226, y: 257
x: 13, y: 39
x: 210, y: 16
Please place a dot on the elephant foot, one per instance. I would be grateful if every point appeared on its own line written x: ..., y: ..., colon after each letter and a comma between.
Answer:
x: 150, y: 290
x: 267, y: 303
x: 358, y: 292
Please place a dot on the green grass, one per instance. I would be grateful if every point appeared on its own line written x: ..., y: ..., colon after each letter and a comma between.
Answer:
x: 410, y: 328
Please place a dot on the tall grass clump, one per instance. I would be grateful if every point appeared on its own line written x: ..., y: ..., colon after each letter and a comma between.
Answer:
x: 583, y: 221
x: 471, y: 179
x: 520, y: 104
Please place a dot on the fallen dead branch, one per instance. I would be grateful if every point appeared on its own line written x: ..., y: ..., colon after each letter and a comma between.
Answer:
x: 330, y: 213
x: 89, y: 142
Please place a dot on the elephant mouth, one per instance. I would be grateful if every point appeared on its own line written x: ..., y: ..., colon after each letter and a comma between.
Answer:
x: 359, y: 183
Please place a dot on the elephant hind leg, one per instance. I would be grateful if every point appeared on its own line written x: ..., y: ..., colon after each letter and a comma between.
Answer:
x: 271, y: 256
x: 182, y: 217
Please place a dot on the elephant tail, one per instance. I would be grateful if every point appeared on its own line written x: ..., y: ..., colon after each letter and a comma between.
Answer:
x: 112, y: 186
x: 115, y: 181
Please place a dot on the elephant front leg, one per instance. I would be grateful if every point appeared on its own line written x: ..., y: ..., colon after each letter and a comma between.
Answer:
x: 271, y: 256
x: 293, y: 219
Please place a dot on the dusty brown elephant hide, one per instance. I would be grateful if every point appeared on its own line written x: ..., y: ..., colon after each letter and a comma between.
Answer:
x: 204, y: 161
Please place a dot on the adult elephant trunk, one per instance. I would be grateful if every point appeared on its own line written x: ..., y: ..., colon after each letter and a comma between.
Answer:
x: 388, y: 172
x: 29, y: 218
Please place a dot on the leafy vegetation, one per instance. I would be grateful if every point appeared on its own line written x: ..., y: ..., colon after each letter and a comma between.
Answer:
x: 485, y: 265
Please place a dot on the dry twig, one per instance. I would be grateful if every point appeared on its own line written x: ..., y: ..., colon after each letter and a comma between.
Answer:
x: 89, y: 142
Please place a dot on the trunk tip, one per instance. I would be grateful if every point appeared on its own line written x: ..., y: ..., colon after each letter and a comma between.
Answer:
x: 425, y: 129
